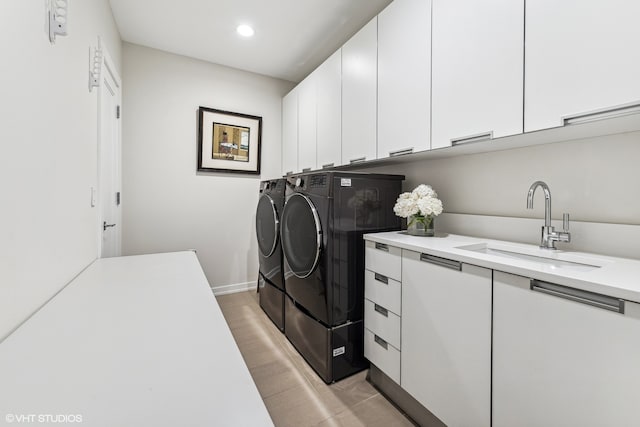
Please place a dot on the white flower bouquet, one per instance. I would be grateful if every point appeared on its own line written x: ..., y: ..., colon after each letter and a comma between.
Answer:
x: 420, y: 207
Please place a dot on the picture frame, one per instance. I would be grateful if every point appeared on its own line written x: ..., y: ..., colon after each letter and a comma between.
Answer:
x: 228, y: 141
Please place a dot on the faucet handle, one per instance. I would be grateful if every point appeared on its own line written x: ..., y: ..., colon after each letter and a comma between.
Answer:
x: 565, y: 222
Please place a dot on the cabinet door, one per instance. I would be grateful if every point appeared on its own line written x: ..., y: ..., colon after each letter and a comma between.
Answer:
x: 359, y: 105
x: 477, y: 70
x: 581, y: 56
x: 446, y: 339
x: 290, y: 132
x: 329, y: 114
x: 404, y: 77
x: 307, y: 123
x: 562, y: 363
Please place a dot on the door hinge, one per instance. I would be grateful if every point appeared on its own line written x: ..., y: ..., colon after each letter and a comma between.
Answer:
x: 118, y: 198
x: 117, y: 112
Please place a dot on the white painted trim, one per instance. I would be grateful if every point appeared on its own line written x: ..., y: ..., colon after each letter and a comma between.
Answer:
x: 234, y: 288
x: 109, y: 63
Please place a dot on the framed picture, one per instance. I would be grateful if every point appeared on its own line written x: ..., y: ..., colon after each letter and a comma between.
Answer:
x: 228, y: 142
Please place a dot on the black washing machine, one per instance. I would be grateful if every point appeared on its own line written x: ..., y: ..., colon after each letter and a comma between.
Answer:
x: 271, y: 279
x: 324, y: 218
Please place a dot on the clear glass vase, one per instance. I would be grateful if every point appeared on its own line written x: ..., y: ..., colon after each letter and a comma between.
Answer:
x: 421, y: 225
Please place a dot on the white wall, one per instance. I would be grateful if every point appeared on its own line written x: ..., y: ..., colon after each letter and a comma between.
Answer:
x: 48, y: 152
x: 167, y: 205
x: 595, y: 180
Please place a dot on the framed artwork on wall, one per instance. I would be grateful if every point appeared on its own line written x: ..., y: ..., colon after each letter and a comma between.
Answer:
x: 228, y: 142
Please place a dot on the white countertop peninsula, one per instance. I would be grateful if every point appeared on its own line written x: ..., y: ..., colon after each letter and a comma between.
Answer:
x: 132, y: 341
x: 616, y: 277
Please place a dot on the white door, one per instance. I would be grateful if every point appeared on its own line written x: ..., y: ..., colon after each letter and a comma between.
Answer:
x: 477, y: 70
x: 109, y: 175
x: 563, y: 357
x: 445, y: 363
x: 329, y: 112
x: 581, y: 61
x: 290, y: 132
x: 307, y: 123
x: 359, y: 95
x: 404, y: 77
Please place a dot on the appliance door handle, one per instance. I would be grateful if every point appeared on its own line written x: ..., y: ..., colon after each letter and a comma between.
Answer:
x: 380, y: 309
x: 584, y: 297
x: 382, y: 343
x: 601, y: 114
x: 380, y: 278
x: 442, y: 262
x: 485, y: 136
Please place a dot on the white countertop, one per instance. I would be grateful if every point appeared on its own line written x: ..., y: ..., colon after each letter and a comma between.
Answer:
x: 132, y: 341
x: 616, y: 277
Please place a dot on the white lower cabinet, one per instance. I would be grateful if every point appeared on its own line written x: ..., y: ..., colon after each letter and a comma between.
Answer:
x: 446, y: 338
x: 382, y: 354
x: 560, y: 362
x: 382, y: 308
x: 479, y: 347
x: 382, y: 321
x: 383, y: 259
x: 383, y: 289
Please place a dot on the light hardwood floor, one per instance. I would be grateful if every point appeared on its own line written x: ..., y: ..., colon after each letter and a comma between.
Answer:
x: 292, y: 392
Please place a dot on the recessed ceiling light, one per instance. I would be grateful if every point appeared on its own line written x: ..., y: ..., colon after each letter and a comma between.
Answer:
x: 245, y: 30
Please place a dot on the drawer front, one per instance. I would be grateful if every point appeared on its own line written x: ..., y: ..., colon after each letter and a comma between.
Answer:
x: 382, y: 322
x: 383, y: 290
x: 383, y: 259
x: 387, y: 359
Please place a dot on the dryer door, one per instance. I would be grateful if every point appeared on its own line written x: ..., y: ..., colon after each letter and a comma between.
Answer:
x: 301, y: 235
x: 267, y: 225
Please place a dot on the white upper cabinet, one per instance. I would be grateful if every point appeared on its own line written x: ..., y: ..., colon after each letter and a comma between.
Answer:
x: 404, y: 77
x: 307, y: 123
x: 581, y: 56
x: 477, y: 70
x: 329, y: 111
x: 290, y: 132
x: 359, y: 87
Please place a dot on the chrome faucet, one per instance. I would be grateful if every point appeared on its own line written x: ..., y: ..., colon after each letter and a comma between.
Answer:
x: 549, y: 235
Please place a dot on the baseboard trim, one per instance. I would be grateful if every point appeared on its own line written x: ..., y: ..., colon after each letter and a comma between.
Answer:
x: 234, y: 288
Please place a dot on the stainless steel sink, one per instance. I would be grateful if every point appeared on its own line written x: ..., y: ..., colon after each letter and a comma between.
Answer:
x: 542, y: 257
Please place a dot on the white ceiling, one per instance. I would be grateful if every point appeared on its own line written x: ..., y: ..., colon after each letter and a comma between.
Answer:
x: 292, y: 37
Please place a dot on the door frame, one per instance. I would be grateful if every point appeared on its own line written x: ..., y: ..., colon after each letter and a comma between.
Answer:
x: 107, y: 65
